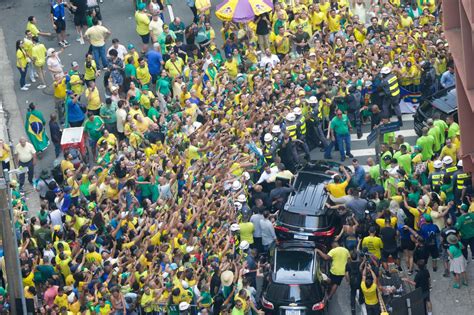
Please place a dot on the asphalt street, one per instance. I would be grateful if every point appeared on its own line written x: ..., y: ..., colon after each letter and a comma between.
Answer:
x: 118, y: 17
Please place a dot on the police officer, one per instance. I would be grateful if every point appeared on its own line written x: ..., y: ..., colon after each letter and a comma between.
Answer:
x: 436, y: 178
x: 460, y: 180
x: 391, y: 94
x: 277, y: 135
x: 301, y: 130
x: 449, y: 168
x: 315, y: 123
x: 353, y: 111
x: 269, y: 149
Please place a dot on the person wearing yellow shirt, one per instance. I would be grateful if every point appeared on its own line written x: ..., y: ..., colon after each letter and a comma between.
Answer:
x: 450, y: 149
x: 231, y: 66
x: 334, y: 21
x: 318, y: 17
x: 93, y: 99
x: 282, y: 43
x: 143, y: 74
x: 417, y: 212
x: 369, y: 290
x: 75, y: 81
x: 430, y: 4
x: 97, y: 35
x: 31, y: 26
x: 203, y: 7
x: 22, y: 64
x: 360, y: 33
x: 61, y: 298
x: 405, y: 21
x: 142, y: 25
x: 373, y: 243
x: 90, y: 69
x: 174, y: 65
x: 338, y: 187
x: 5, y: 155
x: 38, y: 58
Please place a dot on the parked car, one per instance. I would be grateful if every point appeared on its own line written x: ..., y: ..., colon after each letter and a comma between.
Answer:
x: 296, y: 285
x: 305, y: 215
x: 443, y: 102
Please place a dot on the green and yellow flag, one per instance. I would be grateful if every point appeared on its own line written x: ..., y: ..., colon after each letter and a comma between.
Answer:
x: 35, y: 129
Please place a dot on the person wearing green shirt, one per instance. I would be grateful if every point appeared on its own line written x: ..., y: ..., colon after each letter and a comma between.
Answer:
x: 130, y: 69
x: 108, y: 114
x: 93, y: 126
x: 404, y: 159
x: 453, y: 128
x: 374, y: 170
x: 153, y: 112
x: 441, y: 125
x: 434, y: 132
x: 426, y: 142
x: 163, y: 85
x: 340, y: 127
x: 386, y: 156
x: 465, y: 226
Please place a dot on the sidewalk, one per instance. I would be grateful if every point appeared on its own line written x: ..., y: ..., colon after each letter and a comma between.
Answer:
x: 11, y: 120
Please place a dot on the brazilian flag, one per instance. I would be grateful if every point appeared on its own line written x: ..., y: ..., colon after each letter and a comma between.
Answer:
x: 35, y: 129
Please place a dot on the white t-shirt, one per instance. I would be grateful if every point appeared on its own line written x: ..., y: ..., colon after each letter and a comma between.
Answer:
x: 25, y: 153
x: 156, y: 27
x: 121, y: 50
x: 273, y: 60
x: 121, y: 116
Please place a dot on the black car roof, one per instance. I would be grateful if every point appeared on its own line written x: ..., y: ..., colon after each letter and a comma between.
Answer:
x: 445, y: 101
x: 321, y: 166
x: 310, y: 195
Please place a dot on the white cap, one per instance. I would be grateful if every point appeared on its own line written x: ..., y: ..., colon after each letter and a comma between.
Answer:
x: 438, y: 164
x: 297, y: 111
x: 246, y: 175
x: 460, y: 163
x: 242, y: 198
x: 290, y: 117
x: 385, y: 70
x: 236, y: 185
x: 49, y: 52
x: 70, y: 297
x: 189, y: 249
x: 238, y: 205
x: 183, y: 306
x: 184, y: 284
x: 276, y: 129
x: 165, y: 275
x: 312, y: 100
x: 234, y: 227
x: 244, y: 245
x: 447, y: 159
x: 268, y: 137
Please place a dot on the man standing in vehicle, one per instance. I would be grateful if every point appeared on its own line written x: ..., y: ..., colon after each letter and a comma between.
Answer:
x: 391, y: 92
x: 338, y: 256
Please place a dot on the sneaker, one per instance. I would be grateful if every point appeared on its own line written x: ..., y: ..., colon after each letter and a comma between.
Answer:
x: 27, y: 84
x: 40, y: 87
x: 36, y: 75
x: 464, y: 283
x: 343, y: 159
x: 350, y: 155
x: 78, y: 39
x: 456, y: 286
x: 400, y: 268
x: 81, y: 41
x: 33, y: 80
x: 62, y: 44
x: 24, y: 88
x: 410, y: 272
x: 66, y: 42
x: 446, y: 274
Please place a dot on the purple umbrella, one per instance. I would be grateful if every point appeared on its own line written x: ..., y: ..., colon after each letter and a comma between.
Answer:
x: 242, y: 11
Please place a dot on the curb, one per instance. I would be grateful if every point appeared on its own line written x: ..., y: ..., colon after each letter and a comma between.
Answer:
x: 11, y: 119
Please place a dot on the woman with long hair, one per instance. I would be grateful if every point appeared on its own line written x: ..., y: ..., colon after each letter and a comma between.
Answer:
x: 22, y: 64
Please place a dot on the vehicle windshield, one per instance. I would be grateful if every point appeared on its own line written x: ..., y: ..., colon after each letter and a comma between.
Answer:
x: 294, y: 266
x: 302, y: 220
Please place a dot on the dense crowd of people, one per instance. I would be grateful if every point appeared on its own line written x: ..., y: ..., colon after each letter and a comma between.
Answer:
x: 171, y: 209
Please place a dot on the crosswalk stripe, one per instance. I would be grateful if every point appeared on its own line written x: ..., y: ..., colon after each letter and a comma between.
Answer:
x: 405, y: 117
x: 406, y: 133
x: 363, y: 152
